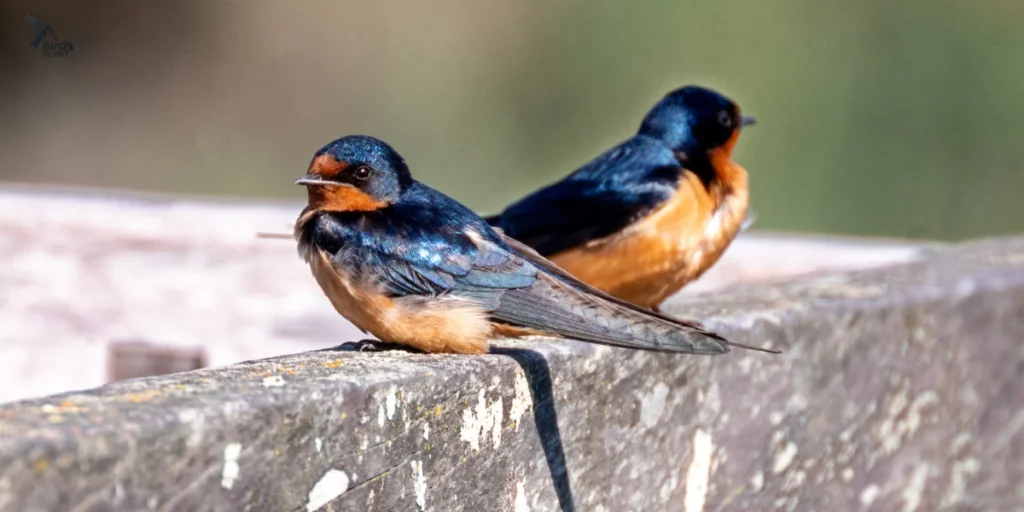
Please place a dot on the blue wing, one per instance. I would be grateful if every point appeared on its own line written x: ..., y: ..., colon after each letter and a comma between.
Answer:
x: 602, y: 197
x: 422, y: 246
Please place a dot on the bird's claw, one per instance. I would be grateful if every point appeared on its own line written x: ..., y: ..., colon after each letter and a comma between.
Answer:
x: 367, y: 345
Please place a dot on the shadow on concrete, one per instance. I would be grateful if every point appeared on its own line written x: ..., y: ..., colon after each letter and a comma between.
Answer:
x: 538, y: 374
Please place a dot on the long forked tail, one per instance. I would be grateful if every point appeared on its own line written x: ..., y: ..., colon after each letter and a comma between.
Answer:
x: 678, y: 328
x: 553, y: 306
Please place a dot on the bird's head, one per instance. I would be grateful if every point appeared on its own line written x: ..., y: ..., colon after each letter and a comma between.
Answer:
x: 695, y: 119
x: 355, y: 173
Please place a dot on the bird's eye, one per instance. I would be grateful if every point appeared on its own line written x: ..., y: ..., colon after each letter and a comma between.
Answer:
x: 362, y: 172
x: 725, y: 119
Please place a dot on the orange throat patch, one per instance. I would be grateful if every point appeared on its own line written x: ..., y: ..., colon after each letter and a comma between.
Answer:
x: 341, y: 198
x: 336, y: 197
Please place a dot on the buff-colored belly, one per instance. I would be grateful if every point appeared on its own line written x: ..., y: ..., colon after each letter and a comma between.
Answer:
x: 436, y: 325
x: 658, y: 255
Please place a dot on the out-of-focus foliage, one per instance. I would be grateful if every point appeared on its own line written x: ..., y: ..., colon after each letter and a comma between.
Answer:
x: 891, y: 118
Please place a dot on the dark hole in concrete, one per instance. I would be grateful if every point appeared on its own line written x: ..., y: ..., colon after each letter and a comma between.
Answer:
x: 135, y: 359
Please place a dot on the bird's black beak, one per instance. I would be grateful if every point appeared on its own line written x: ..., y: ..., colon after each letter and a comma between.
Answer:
x: 747, y: 121
x: 311, y: 179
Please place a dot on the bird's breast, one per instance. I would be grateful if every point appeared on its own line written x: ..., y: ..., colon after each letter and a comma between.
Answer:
x: 430, y: 324
x: 657, y: 255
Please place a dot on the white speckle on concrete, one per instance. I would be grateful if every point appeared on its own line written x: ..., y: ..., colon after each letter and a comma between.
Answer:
x: 923, y: 400
x: 419, y: 484
x: 334, y: 483
x: 665, y: 493
x: 426, y: 431
x: 776, y: 417
x: 847, y: 434
x: 273, y: 381
x: 391, y: 403
x: 231, y: 469
x: 899, y: 401
x: 195, y: 421
x: 319, y: 444
x: 381, y: 417
x: 188, y: 415
x: 784, y: 457
x: 914, y: 490
x: 846, y: 453
x: 482, y: 420
x: 757, y: 481
x: 653, y: 405
x: 796, y: 403
x: 869, y: 495
x: 958, y: 481
x: 522, y: 400
x: 520, y: 504
x: 846, y: 474
x: 893, y: 430
x: 959, y: 442
x: 794, y: 480
x: 699, y: 473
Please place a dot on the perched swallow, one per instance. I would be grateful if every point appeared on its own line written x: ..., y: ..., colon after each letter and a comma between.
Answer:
x: 653, y: 213
x: 414, y: 267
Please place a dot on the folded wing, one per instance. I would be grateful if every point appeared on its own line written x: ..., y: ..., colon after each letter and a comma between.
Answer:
x: 601, y: 198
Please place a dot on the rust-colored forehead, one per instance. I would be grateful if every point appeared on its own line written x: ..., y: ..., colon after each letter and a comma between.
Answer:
x: 326, y: 166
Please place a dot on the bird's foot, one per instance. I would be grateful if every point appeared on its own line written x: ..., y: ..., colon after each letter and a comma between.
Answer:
x: 367, y: 345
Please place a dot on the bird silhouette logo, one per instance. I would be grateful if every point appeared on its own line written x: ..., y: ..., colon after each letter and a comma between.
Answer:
x: 43, y: 29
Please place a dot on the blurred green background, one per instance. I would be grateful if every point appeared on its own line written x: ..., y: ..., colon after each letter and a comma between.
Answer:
x: 897, y: 118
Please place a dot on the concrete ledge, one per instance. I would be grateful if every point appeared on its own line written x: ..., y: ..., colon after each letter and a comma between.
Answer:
x: 899, y: 389
x: 83, y: 271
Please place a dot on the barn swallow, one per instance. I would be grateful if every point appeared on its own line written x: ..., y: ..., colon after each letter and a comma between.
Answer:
x: 414, y: 267
x: 653, y: 213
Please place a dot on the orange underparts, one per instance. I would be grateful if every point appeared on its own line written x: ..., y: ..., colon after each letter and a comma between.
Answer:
x: 656, y: 256
x: 444, y: 324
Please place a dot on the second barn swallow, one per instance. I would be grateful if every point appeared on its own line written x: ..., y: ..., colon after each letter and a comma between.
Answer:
x: 653, y: 213
x: 412, y: 266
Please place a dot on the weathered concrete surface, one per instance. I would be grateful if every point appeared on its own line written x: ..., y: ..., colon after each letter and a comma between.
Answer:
x: 82, y: 271
x: 900, y: 388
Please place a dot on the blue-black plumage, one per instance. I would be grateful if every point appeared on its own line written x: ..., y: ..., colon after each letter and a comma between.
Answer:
x: 415, y: 267
x: 651, y: 214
